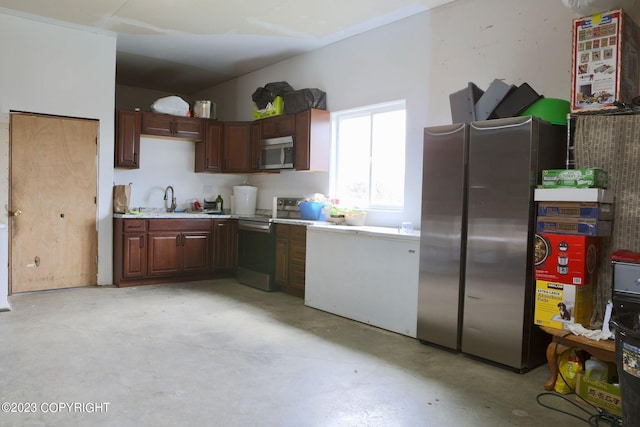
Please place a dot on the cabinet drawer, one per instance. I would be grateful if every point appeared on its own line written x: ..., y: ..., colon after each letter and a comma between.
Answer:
x: 180, y: 225
x: 134, y: 225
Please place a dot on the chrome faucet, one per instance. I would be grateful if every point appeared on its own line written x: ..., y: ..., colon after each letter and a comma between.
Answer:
x: 173, y: 206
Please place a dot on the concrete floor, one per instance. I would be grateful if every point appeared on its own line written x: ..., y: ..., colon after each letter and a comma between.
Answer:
x: 217, y: 353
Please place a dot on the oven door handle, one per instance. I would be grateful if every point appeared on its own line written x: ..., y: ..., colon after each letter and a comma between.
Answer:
x: 252, y: 226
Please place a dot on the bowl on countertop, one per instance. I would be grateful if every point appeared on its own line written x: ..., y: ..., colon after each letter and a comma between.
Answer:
x: 355, y: 218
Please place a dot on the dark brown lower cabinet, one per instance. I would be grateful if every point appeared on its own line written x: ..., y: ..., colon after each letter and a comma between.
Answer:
x: 129, y: 249
x: 225, y: 241
x: 291, y: 250
x: 159, y: 250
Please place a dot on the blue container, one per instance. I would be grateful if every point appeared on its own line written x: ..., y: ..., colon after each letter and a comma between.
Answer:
x: 311, y: 210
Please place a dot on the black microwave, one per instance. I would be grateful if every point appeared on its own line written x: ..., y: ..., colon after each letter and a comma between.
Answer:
x: 276, y: 153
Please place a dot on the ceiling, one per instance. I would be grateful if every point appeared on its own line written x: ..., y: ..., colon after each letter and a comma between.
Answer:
x: 184, y: 46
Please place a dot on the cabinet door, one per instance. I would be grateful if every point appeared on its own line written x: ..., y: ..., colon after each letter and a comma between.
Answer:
x: 297, y: 259
x: 269, y: 128
x: 282, y: 263
x: 135, y: 255
x: 279, y: 126
x: 296, y: 283
x: 164, y: 253
x: 237, y: 146
x: 281, y: 276
x: 196, y: 251
x: 209, y: 152
x: 313, y: 140
x: 256, y: 136
x: 286, y: 125
x: 225, y: 245
x: 188, y: 127
x: 157, y: 124
x: 128, y: 125
x: 298, y: 243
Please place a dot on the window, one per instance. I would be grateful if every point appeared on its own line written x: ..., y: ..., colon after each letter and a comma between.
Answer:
x: 369, y: 156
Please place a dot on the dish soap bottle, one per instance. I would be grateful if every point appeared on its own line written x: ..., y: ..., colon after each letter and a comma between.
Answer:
x: 219, y: 203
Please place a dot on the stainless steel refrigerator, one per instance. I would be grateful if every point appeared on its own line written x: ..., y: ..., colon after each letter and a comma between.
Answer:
x: 495, y: 274
x: 442, y: 231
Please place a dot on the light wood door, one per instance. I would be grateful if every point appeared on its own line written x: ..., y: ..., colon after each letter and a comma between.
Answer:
x: 52, y: 202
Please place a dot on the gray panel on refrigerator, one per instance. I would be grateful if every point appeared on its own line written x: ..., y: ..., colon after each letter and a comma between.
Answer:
x: 506, y: 157
x: 442, y: 234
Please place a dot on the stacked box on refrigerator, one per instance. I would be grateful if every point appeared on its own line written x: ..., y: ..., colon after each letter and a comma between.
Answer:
x: 566, y: 253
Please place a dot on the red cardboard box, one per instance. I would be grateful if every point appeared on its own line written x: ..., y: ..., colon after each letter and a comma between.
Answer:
x: 605, y: 62
x: 566, y: 258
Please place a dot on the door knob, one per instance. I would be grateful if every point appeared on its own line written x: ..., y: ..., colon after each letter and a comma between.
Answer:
x: 17, y: 212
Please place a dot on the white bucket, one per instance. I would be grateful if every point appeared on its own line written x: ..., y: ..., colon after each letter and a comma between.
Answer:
x: 244, y: 199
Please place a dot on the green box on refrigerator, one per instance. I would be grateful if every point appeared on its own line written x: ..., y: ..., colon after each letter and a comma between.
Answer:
x: 575, y: 178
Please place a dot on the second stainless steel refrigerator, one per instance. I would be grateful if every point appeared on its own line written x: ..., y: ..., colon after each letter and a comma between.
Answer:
x: 496, y: 276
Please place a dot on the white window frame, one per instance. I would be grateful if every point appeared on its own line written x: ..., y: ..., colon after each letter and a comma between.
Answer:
x: 363, y: 111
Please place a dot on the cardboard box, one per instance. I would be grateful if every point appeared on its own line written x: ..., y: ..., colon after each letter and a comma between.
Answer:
x: 575, y: 178
x: 600, y: 394
x: 566, y: 258
x: 582, y: 226
x: 275, y: 108
x: 561, y: 304
x: 573, y: 195
x: 605, y: 61
x: 601, y: 211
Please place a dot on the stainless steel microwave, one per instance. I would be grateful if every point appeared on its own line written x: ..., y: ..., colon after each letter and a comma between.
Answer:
x: 276, y: 153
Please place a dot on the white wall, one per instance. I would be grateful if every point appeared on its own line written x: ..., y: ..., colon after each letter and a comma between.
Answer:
x: 166, y: 162
x: 422, y: 59
x: 59, y: 71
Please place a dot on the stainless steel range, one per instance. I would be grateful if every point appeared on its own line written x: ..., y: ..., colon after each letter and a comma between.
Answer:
x: 257, y: 244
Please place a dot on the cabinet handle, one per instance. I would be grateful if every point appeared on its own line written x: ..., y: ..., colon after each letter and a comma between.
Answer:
x: 135, y: 158
x: 141, y: 242
x: 184, y: 239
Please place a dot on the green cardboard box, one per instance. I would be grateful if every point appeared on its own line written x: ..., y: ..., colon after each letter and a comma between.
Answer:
x: 276, y: 108
x: 599, y: 393
x: 575, y: 178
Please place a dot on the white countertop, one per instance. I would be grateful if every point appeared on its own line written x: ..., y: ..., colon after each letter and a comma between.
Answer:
x: 320, y: 226
x: 388, y: 232
x: 185, y: 215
